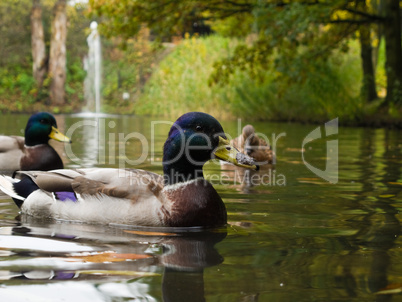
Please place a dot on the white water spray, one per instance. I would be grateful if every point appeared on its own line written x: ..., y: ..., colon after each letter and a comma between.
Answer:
x: 93, y: 66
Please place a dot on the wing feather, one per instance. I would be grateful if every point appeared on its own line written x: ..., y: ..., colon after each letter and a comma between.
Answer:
x: 129, y: 184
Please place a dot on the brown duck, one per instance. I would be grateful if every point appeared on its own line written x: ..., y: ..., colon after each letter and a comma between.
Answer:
x: 252, y: 145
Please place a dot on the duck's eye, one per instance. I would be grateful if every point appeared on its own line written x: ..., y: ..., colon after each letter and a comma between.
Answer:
x: 198, y: 128
x: 42, y: 121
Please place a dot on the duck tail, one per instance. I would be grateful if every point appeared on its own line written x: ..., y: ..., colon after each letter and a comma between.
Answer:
x: 18, y: 190
x: 7, y: 186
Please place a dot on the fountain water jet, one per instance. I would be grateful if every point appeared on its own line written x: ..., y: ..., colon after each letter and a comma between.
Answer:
x: 93, y: 66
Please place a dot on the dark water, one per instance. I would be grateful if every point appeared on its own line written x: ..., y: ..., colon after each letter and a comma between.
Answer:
x: 293, y: 237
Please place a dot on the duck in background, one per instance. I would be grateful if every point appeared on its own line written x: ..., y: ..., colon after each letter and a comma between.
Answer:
x: 33, y: 151
x: 259, y: 150
x: 252, y: 145
x: 181, y: 197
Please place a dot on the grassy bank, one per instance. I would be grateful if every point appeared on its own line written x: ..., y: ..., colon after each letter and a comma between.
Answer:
x: 180, y: 84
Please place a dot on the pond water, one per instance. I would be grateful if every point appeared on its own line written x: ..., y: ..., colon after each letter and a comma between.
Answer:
x: 292, y: 235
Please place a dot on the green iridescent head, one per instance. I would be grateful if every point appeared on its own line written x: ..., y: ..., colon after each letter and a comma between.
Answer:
x: 40, y: 128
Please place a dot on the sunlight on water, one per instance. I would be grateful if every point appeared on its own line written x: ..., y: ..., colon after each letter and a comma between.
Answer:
x: 292, y: 236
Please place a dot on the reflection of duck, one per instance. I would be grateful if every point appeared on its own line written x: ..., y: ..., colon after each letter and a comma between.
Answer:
x: 182, y: 255
x: 192, y: 250
x: 32, y: 152
x: 249, y: 142
x: 245, y: 179
x: 182, y: 197
x: 185, y: 259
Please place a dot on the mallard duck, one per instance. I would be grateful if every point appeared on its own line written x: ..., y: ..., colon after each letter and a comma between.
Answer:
x: 181, y: 197
x: 254, y: 146
x: 32, y: 152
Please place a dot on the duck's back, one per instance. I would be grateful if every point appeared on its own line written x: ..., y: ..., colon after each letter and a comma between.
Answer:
x: 11, y: 151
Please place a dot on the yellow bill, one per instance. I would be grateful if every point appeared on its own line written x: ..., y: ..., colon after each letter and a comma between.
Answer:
x: 58, y: 136
x: 230, y: 154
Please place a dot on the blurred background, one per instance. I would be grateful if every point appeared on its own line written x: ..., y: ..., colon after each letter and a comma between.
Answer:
x: 306, y: 61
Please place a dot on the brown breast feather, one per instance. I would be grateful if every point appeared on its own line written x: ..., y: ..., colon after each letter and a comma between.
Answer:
x: 41, y: 157
x: 195, y: 204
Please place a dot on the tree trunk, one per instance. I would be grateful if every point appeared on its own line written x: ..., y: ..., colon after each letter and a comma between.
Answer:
x: 393, y: 52
x: 378, y: 30
x: 57, y: 59
x: 366, y: 52
x: 38, y: 44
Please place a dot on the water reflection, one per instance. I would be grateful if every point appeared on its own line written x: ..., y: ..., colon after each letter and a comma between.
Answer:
x: 382, y: 227
x: 244, y: 180
x: 184, y: 261
x: 77, y: 252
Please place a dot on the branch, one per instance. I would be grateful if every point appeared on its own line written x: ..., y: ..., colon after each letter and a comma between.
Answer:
x: 348, y: 31
x: 364, y: 14
x: 224, y: 13
x: 249, y: 5
x: 349, y: 21
x: 282, y: 4
x: 226, y: 6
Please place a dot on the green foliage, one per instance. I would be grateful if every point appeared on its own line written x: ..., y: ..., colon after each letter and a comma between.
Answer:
x: 14, y: 31
x: 78, y: 30
x: 280, y: 26
x: 165, y: 18
x: 18, y: 89
x: 255, y: 60
x: 324, y: 90
x: 126, y: 69
x: 295, y: 33
x: 304, y: 36
x: 327, y: 89
x: 16, y: 79
x: 180, y: 83
x: 234, y: 26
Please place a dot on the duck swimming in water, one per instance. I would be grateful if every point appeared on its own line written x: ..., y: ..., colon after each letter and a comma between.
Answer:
x: 32, y: 152
x: 181, y: 197
x: 254, y: 146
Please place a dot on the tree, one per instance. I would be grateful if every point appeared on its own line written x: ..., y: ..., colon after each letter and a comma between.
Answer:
x: 366, y: 52
x: 38, y: 44
x: 315, y: 27
x: 57, y: 58
x: 393, y: 52
x: 55, y: 70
